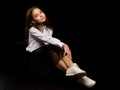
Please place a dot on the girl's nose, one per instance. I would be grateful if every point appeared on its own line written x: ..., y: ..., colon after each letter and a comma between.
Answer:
x: 41, y: 15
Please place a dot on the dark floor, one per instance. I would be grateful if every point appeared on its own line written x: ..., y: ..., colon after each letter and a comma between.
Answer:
x: 22, y: 80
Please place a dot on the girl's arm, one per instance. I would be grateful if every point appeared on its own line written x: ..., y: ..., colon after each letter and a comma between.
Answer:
x: 46, y: 38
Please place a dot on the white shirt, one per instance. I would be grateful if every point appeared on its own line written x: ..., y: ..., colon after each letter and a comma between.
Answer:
x: 37, y: 39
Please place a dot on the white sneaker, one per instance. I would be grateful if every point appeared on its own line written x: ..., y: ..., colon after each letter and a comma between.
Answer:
x: 86, y: 81
x: 75, y: 70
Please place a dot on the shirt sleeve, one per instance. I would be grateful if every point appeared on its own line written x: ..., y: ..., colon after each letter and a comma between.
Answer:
x: 46, y: 38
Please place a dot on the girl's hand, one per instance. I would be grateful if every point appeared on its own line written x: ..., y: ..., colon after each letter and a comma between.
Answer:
x: 67, y: 50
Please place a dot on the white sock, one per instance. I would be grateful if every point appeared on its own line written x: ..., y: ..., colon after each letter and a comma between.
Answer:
x: 74, y: 70
x: 86, y: 81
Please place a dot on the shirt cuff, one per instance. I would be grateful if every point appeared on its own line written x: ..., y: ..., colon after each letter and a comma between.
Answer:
x: 61, y: 44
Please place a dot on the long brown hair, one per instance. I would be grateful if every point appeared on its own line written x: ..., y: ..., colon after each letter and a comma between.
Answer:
x: 29, y: 24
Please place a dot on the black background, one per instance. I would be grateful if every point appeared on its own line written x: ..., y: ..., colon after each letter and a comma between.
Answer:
x: 88, y: 27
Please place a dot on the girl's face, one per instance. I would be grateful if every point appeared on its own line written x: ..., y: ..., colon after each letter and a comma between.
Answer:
x: 38, y: 16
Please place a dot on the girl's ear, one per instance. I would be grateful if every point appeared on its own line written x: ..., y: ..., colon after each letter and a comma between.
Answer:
x: 33, y: 21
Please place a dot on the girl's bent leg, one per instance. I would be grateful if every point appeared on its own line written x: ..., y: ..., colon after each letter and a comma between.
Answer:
x: 58, y: 62
x: 67, y: 65
x: 73, y: 68
x: 66, y: 59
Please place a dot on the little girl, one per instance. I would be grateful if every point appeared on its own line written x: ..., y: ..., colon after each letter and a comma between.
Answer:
x: 42, y: 43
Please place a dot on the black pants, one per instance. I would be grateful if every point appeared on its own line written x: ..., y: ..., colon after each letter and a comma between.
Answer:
x: 39, y: 61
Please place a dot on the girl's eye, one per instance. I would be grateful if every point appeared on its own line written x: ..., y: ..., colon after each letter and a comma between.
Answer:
x: 36, y: 15
x: 40, y: 12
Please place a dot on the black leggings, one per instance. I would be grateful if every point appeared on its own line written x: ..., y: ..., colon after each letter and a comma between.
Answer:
x: 39, y: 61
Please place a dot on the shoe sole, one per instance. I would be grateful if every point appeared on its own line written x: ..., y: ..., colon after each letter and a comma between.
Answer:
x: 90, y: 86
x: 77, y: 75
